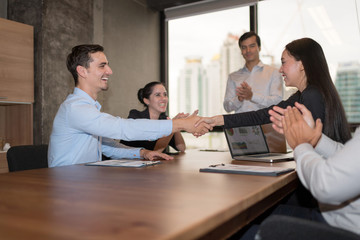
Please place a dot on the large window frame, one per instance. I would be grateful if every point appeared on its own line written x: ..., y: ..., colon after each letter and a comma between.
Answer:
x: 164, y: 44
x: 164, y: 63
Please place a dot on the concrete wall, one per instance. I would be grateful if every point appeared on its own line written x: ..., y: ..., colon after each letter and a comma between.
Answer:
x: 127, y: 29
x: 132, y: 45
x: 3, y: 8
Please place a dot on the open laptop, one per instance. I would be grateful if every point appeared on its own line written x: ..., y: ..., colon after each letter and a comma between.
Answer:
x: 250, y: 144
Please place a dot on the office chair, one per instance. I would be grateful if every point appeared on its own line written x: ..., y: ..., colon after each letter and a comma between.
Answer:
x: 27, y: 157
x: 281, y: 227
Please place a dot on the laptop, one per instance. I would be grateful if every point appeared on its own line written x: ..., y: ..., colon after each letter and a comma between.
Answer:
x: 250, y: 144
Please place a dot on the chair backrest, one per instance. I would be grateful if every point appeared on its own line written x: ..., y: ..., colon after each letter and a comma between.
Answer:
x: 284, y: 227
x: 27, y: 157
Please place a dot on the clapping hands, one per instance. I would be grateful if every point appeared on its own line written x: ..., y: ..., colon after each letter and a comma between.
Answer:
x: 297, y: 124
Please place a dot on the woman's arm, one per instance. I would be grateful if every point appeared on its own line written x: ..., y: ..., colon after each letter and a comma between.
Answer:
x: 162, y: 143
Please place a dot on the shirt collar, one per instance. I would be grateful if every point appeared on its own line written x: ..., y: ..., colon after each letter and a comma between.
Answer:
x: 81, y: 93
x: 259, y: 65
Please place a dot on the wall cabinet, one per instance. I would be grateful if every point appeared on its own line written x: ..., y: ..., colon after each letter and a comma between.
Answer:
x: 16, y: 85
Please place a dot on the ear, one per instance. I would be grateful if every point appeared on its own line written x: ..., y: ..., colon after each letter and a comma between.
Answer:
x: 146, y: 101
x: 81, y: 71
x: 301, y: 66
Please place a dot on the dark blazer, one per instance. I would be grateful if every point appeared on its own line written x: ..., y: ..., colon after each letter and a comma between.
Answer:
x: 310, y: 97
x: 150, y: 145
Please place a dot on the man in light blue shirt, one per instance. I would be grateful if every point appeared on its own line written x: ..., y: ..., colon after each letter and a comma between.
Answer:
x: 81, y: 133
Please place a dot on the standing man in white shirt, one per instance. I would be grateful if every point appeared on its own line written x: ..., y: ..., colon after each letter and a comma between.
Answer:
x: 254, y: 86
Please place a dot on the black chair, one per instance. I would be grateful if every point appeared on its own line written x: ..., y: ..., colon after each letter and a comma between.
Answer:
x: 281, y: 227
x: 27, y: 157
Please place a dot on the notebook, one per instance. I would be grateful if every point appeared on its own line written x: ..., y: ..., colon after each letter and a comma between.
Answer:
x: 248, y: 170
x: 249, y: 143
x: 123, y: 163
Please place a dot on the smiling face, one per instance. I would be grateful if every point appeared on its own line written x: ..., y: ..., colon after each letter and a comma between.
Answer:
x: 95, y: 78
x: 292, y: 71
x: 250, y: 50
x: 157, y: 101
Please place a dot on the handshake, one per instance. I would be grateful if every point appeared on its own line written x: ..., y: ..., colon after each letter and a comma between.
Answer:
x: 195, y: 124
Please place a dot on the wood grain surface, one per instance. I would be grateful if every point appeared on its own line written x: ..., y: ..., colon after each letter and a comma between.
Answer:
x: 172, y: 200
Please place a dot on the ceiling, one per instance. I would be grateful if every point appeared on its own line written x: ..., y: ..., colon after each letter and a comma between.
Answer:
x: 160, y: 5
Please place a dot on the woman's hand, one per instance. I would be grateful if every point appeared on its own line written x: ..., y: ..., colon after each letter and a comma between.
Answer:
x: 217, y: 120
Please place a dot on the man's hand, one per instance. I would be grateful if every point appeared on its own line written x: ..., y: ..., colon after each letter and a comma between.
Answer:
x: 154, y: 155
x: 276, y: 118
x: 306, y: 114
x: 182, y: 115
x: 188, y: 124
x: 296, y: 128
x: 217, y: 120
x: 277, y: 112
x: 244, y: 92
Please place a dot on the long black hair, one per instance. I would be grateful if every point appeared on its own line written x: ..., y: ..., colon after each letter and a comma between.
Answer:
x: 310, y: 53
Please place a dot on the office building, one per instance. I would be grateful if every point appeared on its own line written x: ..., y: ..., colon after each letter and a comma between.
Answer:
x: 192, y: 87
x: 348, y: 85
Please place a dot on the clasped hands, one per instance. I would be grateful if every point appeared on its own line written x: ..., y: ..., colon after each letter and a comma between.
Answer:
x: 244, y: 92
x: 195, y: 124
x: 297, y: 124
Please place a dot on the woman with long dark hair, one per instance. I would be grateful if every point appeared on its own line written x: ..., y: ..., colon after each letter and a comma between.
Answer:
x: 303, y: 65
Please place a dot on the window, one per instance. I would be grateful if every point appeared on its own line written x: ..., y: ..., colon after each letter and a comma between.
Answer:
x: 203, y: 50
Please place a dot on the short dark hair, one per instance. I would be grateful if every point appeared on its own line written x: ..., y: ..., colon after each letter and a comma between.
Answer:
x: 146, y: 91
x: 80, y: 56
x: 249, y: 35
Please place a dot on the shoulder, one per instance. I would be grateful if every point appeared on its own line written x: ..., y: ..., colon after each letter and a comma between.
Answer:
x: 76, y: 104
x: 312, y: 92
x: 137, y: 114
x: 269, y: 72
x: 270, y: 69
x: 236, y: 74
x: 312, y: 98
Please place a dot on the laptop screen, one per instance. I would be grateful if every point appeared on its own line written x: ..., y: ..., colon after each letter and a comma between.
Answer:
x: 246, y: 140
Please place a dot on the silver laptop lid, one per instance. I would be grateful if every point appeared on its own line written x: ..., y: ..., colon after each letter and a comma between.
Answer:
x: 246, y: 140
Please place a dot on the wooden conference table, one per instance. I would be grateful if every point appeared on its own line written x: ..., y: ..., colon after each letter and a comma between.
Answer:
x: 172, y: 200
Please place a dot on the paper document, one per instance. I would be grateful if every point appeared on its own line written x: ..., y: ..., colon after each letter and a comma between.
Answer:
x: 245, y: 169
x: 123, y: 163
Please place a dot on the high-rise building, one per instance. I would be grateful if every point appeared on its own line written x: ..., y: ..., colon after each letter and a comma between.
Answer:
x: 214, y: 81
x: 192, y: 87
x: 204, y: 88
x: 230, y: 60
x: 348, y: 86
x: 230, y: 56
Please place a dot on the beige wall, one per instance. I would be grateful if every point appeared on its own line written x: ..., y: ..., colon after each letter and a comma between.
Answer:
x: 127, y: 29
x: 132, y: 44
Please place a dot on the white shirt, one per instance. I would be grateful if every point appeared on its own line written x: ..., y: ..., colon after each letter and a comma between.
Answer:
x: 331, y: 172
x: 266, y: 84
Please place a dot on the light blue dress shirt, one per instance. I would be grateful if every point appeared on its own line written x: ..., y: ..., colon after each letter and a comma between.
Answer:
x: 81, y: 133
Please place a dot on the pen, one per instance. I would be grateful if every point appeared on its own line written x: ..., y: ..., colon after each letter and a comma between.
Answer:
x: 215, y: 165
